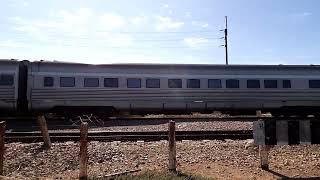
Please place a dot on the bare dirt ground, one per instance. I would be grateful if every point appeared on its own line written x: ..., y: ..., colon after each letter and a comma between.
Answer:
x: 217, y: 159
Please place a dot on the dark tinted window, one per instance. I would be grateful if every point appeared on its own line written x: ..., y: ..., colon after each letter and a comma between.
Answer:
x: 153, y: 83
x: 67, y: 81
x: 214, y: 83
x: 253, y: 83
x: 286, y: 84
x: 314, y: 83
x: 270, y: 84
x: 6, y: 80
x: 174, y: 83
x: 193, y: 83
x: 48, y: 81
x: 91, y: 82
x: 111, y: 82
x: 232, y: 83
x: 134, y: 83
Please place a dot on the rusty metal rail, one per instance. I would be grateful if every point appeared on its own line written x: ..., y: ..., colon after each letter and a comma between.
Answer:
x: 29, y: 137
x: 29, y: 124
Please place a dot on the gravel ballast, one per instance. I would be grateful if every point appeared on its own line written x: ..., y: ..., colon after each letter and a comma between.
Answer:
x: 180, y: 126
x: 186, y: 126
x: 219, y: 159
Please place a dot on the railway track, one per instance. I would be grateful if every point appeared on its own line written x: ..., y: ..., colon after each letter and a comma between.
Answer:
x: 230, y: 118
x: 30, y: 124
x: 29, y: 137
x: 177, y: 119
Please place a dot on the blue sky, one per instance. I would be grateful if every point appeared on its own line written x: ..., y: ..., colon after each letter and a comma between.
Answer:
x: 147, y: 31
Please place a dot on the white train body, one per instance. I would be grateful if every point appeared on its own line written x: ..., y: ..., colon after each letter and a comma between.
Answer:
x: 164, y: 87
x: 57, y: 86
x: 9, y: 75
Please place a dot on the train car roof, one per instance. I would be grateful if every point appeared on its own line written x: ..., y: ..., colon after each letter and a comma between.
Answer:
x: 160, y: 65
x: 9, y: 61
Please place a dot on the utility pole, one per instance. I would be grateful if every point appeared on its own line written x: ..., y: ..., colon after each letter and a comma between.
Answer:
x: 226, y: 39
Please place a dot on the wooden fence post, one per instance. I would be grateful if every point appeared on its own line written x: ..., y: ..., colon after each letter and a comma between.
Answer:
x: 263, y: 149
x: 172, y: 146
x: 44, y: 131
x: 83, y: 151
x: 2, y: 135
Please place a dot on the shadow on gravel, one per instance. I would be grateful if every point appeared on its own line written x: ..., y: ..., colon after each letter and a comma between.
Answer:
x: 39, y: 149
x: 284, y: 177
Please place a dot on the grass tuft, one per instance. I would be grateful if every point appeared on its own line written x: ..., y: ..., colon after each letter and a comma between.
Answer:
x: 159, y: 175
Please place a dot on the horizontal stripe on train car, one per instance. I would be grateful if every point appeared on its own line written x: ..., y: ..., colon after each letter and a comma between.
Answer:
x: 151, y: 90
x: 7, y: 89
x: 294, y: 75
x: 168, y: 92
x: 8, y: 100
x: 227, y: 97
x: 281, y: 98
x: 194, y: 101
x: 157, y: 92
x: 181, y: 94
x: 234, y: 94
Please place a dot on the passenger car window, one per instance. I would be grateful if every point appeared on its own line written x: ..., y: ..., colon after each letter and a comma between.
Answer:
x: 174, y: 83
x: 314, y: 83
x: 214, y: 83
x: 153, y: 83
x: 48, y: 81
x: 232, y: 83
x: 91, y: 82
x: 67, y: 81
x: 134, y: 83
x: 6, y: 80
x: 111, y: 82
x: 193, y: 83
x: 286, y: 84
x: 270, y: 84
x: 253, y: 83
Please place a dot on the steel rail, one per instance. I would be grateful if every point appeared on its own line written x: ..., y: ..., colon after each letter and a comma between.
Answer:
x: 232, y: 118
x: 29, y: 137
x: 227, y: 118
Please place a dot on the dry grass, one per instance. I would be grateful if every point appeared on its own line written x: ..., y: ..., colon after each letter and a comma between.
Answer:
x: 161, y: 175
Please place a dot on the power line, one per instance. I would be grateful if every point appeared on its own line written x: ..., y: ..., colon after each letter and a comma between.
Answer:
x: 123, y: 32
x: 196, y: 47
x: 153, y: 32
x: 56, y: 37
x: 124, y: 47
x: 159, y: 37
x: 115, y: 39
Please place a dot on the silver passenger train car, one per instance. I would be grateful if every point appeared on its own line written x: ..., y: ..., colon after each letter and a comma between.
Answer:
x: 9, y: 71
x: 143, y: 88
x: 179, y: 88
x: 12, y: 85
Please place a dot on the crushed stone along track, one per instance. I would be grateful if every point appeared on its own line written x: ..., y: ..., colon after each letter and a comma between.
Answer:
x: 30, y: 124
x: 29, y: 137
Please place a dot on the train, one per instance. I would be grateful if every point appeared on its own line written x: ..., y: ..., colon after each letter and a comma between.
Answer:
x: 64, y: 87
